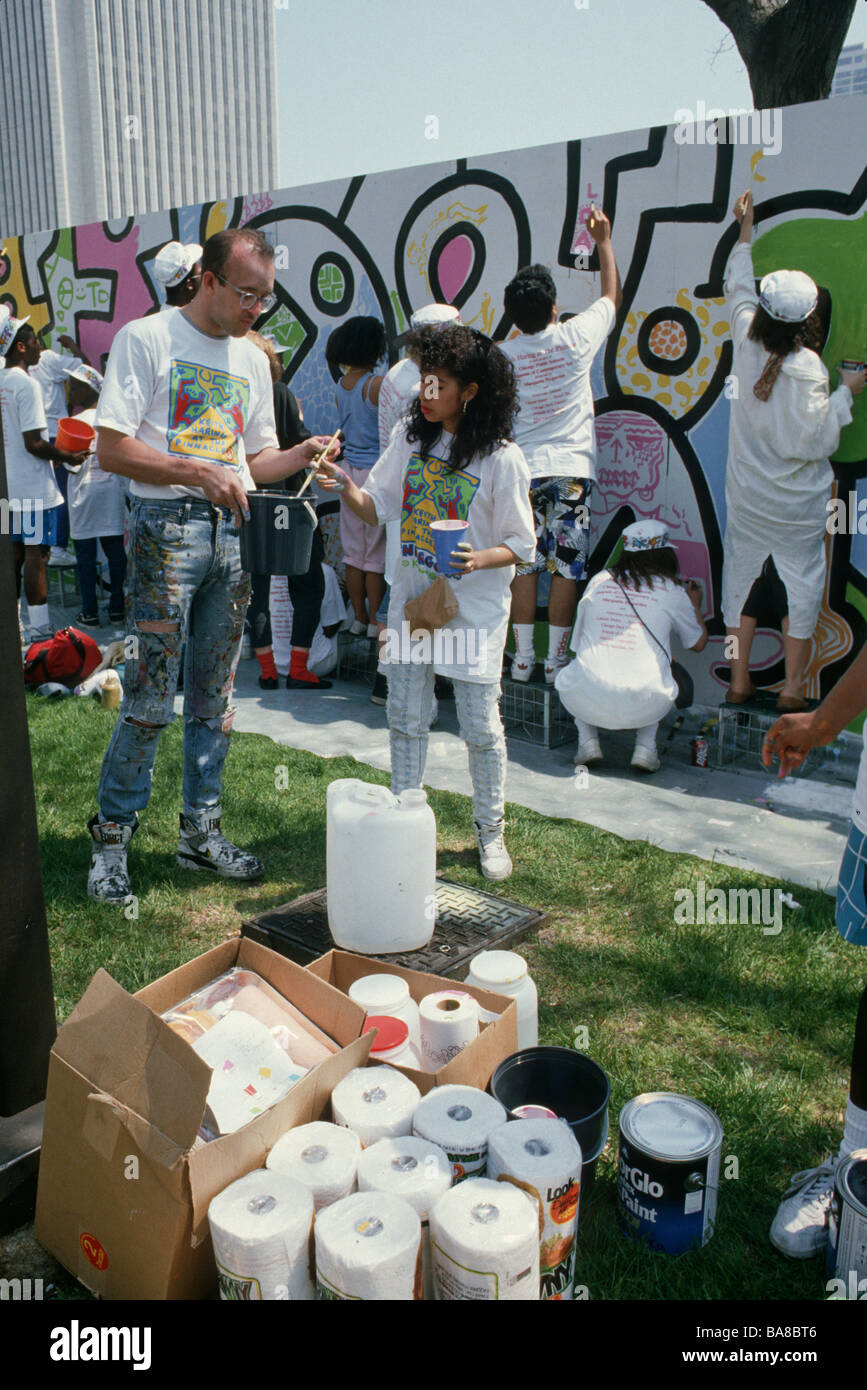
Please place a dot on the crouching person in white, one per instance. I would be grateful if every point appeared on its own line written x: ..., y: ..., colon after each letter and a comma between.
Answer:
x: 621, y: 675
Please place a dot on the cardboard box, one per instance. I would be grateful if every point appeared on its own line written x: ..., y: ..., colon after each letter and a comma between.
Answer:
x: 123, y: 1195
x: 472, y: 1067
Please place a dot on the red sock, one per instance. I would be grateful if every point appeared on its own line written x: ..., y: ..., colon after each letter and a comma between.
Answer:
x: 266, y: 664
x: 298, y: 666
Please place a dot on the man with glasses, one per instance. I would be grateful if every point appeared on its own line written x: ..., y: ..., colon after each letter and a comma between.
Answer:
x: 186, y: 412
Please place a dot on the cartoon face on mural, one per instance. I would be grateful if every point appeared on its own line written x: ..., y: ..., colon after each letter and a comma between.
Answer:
x: 389, y: 243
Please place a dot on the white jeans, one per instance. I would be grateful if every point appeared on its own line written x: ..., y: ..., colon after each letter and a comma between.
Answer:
x: 409, y: 708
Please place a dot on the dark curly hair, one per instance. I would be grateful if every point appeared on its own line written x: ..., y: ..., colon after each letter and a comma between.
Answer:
x: 635, y: 568
x: 780, y: 339
x: 530, y: 297
x: 358, y: 342
x: 490, y: 416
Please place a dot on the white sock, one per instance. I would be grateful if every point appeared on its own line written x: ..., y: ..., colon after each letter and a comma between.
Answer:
x: 38, y: 615
x: 524, y: 644
x: 586, y: 732
x: 855, y: 1129
x: 558, y: 643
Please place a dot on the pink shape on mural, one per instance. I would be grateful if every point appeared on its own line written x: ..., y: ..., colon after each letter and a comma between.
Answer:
x: 94, y: 251
x: 631, y: 452
x: 454, y: 266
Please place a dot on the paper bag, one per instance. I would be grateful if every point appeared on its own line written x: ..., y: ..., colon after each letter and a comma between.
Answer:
x: 432, y: 609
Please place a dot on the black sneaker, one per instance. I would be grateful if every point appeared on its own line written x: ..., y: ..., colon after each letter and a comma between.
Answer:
x: 380, y: 690
x: 117, y: 615
x: 269, y: 683
x: 87, y: 621
x: 202, y: 846
x: 292, y: 683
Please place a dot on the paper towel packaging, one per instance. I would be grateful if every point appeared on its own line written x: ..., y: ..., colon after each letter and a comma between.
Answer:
x: 124, y: 1188
x: 261, y: 1228
x: 543, y: 1158
x: 375, y: 1102
x: 323, y: 1157
x: 368, y: 1246
x: 485, y: 1243
x: 459, y: 1119
x: 475, y: 1064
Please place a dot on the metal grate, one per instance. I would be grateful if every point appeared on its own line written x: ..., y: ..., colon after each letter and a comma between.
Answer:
x: 534, y: 713
x: 356, y: 658
x: 469, y: 920
x: 741, y: 731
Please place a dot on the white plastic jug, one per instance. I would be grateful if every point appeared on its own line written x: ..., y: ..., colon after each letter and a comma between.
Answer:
x: 381, y: 867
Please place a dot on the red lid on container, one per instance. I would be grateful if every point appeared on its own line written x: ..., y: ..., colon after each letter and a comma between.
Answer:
x: 393, y: 1032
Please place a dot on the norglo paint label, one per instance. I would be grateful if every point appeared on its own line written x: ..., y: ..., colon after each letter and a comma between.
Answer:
x: 670, y: 1205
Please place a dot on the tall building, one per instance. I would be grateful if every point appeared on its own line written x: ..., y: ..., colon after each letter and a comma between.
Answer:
x: 116, y: 107
x: 850, y: 74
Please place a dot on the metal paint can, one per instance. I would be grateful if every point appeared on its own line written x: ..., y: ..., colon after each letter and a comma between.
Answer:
x: 700, y: 749
x: 848, y: 1218
x: 668, y: 1171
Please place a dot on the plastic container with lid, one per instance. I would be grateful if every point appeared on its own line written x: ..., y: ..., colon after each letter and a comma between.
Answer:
x: 380, y: 867
x: 391, y: 1044
x: 505, y: 972
x: 388, y: 994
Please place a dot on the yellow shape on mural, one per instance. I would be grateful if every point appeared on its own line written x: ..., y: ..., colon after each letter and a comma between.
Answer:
x: 15, y: 288
x: 217, y: 220
x: 668, y: 340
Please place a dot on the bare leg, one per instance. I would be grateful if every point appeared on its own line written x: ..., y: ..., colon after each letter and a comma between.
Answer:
x: 739, y: 642
x: 374, y: 585
x: 524, y: 598
x: 797, y: 653
x: 562, y: 602
x: 355, y: 589
x: 35, y: 575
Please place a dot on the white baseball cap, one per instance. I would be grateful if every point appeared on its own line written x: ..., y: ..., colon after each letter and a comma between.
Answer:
x: 646, y: 535
x: 89, y: 375
x: 9, y: 327
x: 433, y: 314
x: 174, y: 262
x: 789, y: 296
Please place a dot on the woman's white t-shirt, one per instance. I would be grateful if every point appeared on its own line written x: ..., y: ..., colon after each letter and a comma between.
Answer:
x: 621, y: 678
x: 95, y: 498
x: 28, y: 477
x: 492, y: 494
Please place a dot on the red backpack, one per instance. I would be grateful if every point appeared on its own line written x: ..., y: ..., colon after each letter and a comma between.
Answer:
x: 68, y: 657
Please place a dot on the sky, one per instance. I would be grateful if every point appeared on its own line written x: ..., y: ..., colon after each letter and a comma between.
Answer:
x: 365, y: 85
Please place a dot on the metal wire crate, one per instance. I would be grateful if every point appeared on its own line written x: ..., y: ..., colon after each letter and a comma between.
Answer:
x: 356, y: 658
x: 534, y: 713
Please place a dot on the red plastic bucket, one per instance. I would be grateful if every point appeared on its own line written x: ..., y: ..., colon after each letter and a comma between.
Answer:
x: 74, y: 435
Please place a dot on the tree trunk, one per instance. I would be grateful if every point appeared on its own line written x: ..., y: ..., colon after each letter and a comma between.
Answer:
x: 790, y: 47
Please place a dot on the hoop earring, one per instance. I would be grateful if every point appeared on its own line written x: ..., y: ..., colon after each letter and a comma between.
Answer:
x: 464, y: 407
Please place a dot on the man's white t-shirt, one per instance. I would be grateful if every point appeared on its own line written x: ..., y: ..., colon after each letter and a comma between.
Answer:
x: 50, y: 372
x: 490, y: 493
x: 555, y: 424
x: 188, y: 395
x: 621, y: 678
x: 23, y: 410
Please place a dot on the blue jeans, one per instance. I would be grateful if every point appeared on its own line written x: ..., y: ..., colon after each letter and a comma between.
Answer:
x: 85, y: 559
x: 185, y: 577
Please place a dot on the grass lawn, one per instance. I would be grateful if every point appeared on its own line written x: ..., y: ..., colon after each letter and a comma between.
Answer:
x: 757, y: 1026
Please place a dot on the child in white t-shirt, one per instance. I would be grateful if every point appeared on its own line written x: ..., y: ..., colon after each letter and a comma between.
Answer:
x: 454, y: 460
x: 621, y: 675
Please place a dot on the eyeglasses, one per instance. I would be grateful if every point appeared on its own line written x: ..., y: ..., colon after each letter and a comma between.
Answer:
x: 246, y: 298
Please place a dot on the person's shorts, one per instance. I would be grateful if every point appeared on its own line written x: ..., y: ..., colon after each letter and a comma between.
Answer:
x: 561, y: 511
x: 851, y: 908
x: 363, y: 545
x: 34, y: 525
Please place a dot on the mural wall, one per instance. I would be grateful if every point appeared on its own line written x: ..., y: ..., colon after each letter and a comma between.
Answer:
x: 457, y: 232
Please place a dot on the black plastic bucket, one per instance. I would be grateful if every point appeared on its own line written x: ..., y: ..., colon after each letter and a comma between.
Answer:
x: 569, y: 1083
x: 278, y: 538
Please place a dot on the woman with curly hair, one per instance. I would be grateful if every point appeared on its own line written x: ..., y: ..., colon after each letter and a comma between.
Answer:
x: 785, y: 422
x: 453, y: 459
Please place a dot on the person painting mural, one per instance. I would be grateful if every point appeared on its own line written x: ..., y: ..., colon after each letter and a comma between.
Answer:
x: 800, y: 1226
x: 187, y: 412
x: 179, y: 270
x: 784, y: 424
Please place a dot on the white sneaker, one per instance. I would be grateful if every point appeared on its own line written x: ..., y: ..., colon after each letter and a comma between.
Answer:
x: 522, y: 667
x: 552, y: 666
x: 493, y: 854
x: 40, y: 634
x: 372, y: 630
x: 358, y: 628
x: 799, y: 1228
x: 589, y: 752
x: 60, y: 558
x: 644, y: 759
x: 108, y: 878
x: 202, y: 846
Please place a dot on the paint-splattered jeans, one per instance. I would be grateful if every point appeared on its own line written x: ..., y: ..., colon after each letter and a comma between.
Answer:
x: 185, y: 580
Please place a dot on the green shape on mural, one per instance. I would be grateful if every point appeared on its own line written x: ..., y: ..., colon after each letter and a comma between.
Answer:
x: 286, y: 331
x: 399, y: 320
x: 834, y: 251
x: 332, y: 286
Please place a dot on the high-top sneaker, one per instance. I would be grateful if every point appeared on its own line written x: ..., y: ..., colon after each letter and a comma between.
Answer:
x: 201, y: 846
x: 108, y: 879
x: 495, y: 861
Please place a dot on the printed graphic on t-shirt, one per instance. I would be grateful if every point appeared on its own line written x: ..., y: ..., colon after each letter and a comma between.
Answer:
x: 207, y: 412
x: 431, y: 493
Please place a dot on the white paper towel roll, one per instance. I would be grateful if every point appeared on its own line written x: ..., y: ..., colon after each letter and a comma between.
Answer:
x: 368, y: 1246
x: 448, y: 1021
x: 375, y: 1102
x: 485, y: 1242
x: 321, y: 1156
x: 260, y: 1227
x: 459, y: 1119
x: 417, y: 1171
x: 543, y: 1158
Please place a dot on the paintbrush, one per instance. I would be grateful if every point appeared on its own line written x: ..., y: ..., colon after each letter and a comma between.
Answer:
x: 313, y: 465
